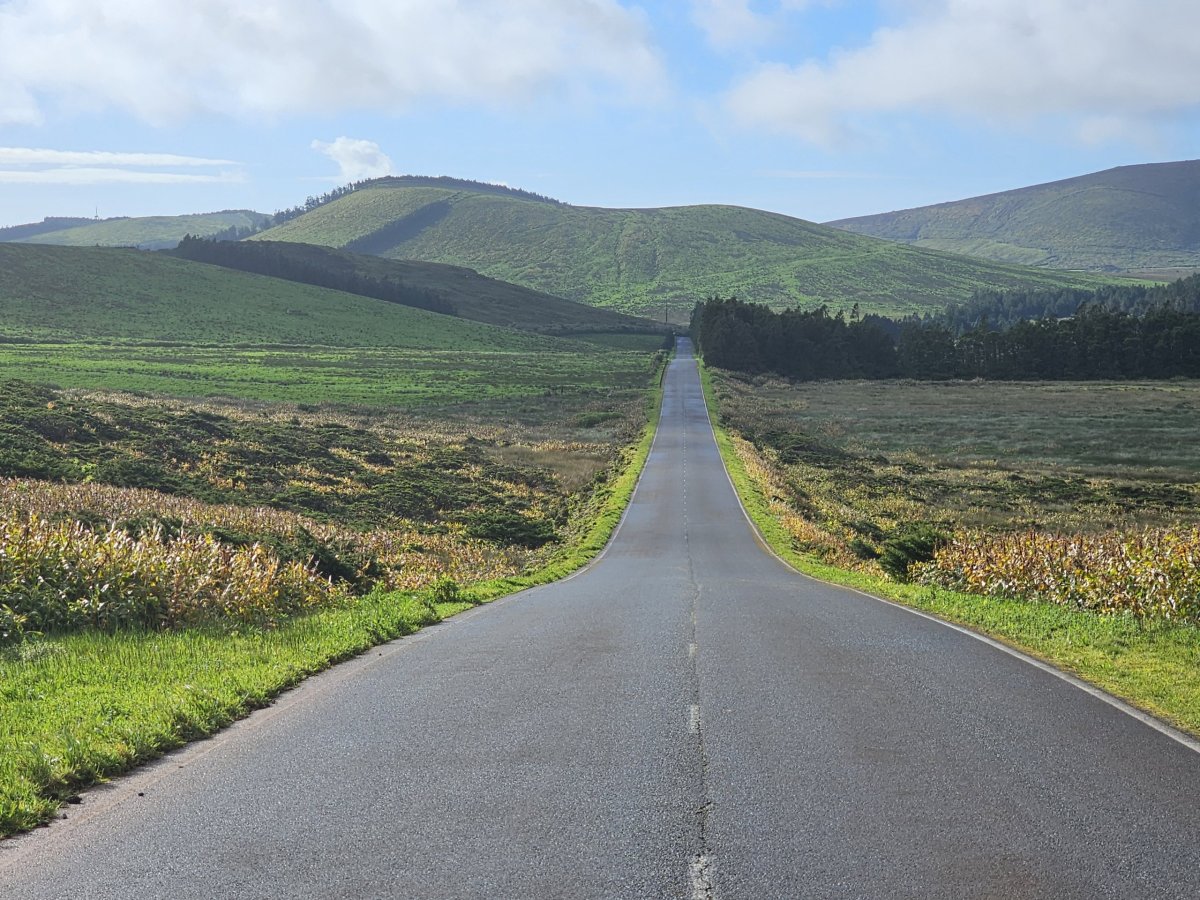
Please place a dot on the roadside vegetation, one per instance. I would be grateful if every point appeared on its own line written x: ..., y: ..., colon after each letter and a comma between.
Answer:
x: 1059, y: 517
x: 167, y: 565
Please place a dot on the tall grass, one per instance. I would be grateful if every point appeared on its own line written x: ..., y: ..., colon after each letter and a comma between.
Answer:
x: 62, y: 576
x: 96, y: 556
x: 1154, y: 572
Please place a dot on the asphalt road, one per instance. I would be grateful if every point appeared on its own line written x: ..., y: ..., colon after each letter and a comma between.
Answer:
x: 687, y: 718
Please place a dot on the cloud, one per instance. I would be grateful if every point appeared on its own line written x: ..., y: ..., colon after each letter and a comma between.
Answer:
x: 29, y: 156
x: 1094, y: 69
x: 30, y: 165
x: 82, y: 176
x: 163, y: 62
x: 358, y: 160
x: 732, y: 24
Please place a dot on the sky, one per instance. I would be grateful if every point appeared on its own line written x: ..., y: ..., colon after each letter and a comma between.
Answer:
x: 820, y: 109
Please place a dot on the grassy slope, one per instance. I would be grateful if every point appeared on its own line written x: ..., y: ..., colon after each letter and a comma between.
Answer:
x: 1153, y: 666
x: 97, y: 293
x: 473, y: 296
x: 148, y: 232
x: 1131, y: 217
x: 641, y: 260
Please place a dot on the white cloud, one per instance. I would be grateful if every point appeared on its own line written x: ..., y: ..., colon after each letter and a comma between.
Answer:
x: 32, y: 165
x: 358, y: 160
x: 31, y: 156
x: 731, y: 24
x: 83, y: 175
x: 1096, y: 69
x: 165, y: 61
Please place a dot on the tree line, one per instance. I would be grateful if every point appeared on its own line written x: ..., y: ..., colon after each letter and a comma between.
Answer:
x: 312, y: 202
x: 1004, y: 309
x: 287, y: 261
x: 1095, y: 342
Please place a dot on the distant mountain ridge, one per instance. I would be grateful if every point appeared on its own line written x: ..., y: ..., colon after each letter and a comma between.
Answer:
x: 650, y: 261
x: 48, y: 225
x: 1129, y: 218
x: 143, y: 232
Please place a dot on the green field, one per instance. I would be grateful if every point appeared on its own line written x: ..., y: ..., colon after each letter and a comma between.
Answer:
x: 323, y: 375
x: 866, y: 457
x: 650, y: 260
x: 1138, y: 429
x: 59, y: 293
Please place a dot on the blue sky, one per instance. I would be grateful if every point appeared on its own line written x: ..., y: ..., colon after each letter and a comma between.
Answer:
x: 815, y: 108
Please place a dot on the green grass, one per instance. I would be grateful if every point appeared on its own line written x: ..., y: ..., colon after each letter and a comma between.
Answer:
x: 1152, y: 665
x: 644, y: 342
x: 1131, y: 217
x: 325, y: 375
x: 149, y: 232
x: 651, y: 260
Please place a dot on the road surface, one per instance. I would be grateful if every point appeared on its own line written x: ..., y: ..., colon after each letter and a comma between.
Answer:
x: 687, y: 718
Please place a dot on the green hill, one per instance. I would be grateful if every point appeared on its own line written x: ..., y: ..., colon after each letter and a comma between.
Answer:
x: 451, y: 289
x: 645, y: 260
x: 145, y: 233
x: 95, y: 294
x: 1124, y: 219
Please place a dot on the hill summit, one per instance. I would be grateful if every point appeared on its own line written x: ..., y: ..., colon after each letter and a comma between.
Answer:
x: 1125, y: 219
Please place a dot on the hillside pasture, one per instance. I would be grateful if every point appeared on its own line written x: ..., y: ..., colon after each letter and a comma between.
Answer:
x: 651, y: 261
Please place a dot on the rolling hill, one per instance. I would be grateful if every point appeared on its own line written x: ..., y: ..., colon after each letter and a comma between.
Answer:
x: 97, y: 294
x: 453, y: 289
x: 646, y: 260
x: 1129, y: 218
x: 145, y: 233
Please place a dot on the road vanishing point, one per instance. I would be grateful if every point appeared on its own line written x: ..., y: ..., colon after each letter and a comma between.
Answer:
x: 686, y: 718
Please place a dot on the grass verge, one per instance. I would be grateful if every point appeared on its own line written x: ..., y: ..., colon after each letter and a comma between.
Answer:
x: 79, y: 708
x: 1151, y: 665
